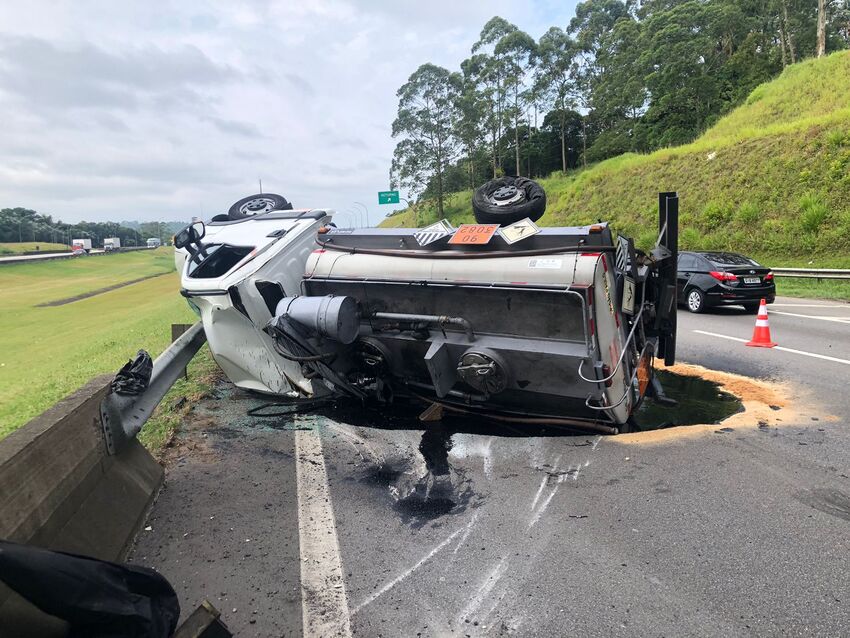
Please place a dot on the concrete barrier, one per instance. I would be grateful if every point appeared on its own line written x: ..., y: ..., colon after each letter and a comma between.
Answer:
x: 60, y: 489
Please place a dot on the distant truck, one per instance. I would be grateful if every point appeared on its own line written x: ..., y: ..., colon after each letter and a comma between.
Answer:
x: 111, y: 243
x: 154, y: 242
x: 84, y: 244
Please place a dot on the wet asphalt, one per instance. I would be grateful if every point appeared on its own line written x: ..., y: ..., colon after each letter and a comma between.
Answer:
x: 478, y: 531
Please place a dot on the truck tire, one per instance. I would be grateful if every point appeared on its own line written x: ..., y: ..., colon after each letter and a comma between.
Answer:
x: 507, y: 200
x: 258, y: 204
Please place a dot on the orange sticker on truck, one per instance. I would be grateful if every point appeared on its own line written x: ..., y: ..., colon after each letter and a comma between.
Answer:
x: 474, y: 234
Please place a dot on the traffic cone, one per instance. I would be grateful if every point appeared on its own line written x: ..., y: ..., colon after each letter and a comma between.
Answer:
x: 761, y: 333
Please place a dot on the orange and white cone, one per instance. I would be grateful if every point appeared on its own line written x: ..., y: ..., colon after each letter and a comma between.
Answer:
x: 761, y: 333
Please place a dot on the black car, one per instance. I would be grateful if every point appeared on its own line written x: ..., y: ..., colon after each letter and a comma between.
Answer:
x: 707, y: 279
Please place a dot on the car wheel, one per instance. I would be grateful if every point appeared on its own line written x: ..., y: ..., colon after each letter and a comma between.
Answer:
x: 507, y: 200
x: 257, y: 205
x: 752, y: 307
x: 695, y: 300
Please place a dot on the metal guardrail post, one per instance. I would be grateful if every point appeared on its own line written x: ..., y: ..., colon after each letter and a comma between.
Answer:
x: 123, y: 416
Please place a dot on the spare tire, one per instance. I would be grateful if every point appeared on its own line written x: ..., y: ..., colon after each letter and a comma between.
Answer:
x: 257, y: 205
x: 507, y: 200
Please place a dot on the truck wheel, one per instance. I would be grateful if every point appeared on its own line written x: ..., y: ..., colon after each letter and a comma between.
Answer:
x: 507, y: 200
x: 258, y: 204
x: 695, y: 300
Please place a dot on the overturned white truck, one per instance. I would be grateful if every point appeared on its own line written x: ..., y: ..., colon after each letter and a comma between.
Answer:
x: 502, y: 319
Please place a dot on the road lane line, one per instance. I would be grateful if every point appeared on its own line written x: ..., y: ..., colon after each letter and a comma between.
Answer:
x: 808, y: 305
x: 324, y: 604
x: 791, y: 350
x: 821, y: 318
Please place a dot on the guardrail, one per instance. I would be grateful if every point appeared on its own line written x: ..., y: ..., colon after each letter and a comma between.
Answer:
x: 123, y: 416
x: 812, y: 273
x: 65, y: 486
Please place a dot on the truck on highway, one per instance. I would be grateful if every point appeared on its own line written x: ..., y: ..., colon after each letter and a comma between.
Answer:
x: 499, y: 319
x: 154, y: 242
x: 111, y: 243
x: 83, y: 244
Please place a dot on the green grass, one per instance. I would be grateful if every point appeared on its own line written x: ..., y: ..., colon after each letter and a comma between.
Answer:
x: 18, y: 248
x: 772, y: 177
x: 46, y: 353
x: 183, y: 396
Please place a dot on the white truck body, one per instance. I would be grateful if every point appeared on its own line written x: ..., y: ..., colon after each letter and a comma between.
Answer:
x: 84, y: 243
x: 112, y: 243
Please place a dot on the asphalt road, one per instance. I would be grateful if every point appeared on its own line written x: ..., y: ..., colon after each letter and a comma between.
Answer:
x: 495, y: 532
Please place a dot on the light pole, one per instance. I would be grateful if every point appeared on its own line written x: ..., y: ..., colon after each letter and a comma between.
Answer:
x: 367, y: 212
x: 356, y: 213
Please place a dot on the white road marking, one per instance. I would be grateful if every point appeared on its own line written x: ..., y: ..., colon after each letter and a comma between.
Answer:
x: 324, y: 605
x: 395, y: 581
x: 808, y: 305
x: 820, y: 318
x: 791, y: 350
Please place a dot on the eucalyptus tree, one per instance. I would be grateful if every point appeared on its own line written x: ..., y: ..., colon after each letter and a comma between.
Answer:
x: 425, y: 124
x: 517, y: 51
x: 488, y: 69
x: 554, y: 78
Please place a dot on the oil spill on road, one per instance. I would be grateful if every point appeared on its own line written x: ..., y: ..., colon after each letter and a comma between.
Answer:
x: 699, y: 401
x: 766, y: 404
x: 421, y: 496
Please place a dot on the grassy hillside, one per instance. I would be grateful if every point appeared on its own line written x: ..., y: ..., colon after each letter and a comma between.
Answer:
x: 772, y: 178
x: 47, y: 352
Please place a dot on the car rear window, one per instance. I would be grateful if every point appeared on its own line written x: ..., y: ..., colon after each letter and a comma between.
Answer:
x: 729, y: 259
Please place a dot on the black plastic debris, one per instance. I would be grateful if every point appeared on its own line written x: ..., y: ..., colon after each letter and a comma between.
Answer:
x: 98, y: 599
x: 135, y: 376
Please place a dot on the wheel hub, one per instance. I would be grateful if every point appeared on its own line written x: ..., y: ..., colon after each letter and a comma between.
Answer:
x: 505, y: 195
x: 257, y: 206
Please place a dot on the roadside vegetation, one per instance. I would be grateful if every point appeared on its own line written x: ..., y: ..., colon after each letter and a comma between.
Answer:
x: 160, y: 429
x: 19, y: 248
x: 47, y: 352
x: 771, y: 179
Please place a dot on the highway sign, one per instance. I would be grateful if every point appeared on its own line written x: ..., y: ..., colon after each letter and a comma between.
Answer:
x: 388, y: 197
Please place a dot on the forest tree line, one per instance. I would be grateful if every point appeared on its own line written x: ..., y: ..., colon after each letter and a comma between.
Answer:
x: 623, y: 76
x: 26, y: 225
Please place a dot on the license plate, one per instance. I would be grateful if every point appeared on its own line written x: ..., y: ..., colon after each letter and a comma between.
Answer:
x: 752, y: 280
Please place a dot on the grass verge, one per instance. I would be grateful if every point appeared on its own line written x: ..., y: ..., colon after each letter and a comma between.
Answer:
x: 48, y: 352
x: 160, y: 429
x: 19, y: 248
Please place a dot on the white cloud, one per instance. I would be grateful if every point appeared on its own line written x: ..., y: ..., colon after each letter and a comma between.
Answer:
x: 138, y: 110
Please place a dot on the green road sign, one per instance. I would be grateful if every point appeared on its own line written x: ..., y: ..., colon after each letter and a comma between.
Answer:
x: 388, y: 197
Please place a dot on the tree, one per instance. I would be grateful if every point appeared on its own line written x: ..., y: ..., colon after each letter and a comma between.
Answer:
x: 556, y: 52
x: 516, y: 50
x: 489, y: 70
x: 427, y: 112
x: 821, y: 28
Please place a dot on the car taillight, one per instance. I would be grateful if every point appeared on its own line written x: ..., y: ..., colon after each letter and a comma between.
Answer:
x: 768, y: 276
x: 723, y: 276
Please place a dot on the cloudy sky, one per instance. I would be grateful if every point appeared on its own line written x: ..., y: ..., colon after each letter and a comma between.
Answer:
x: 169, y: 109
